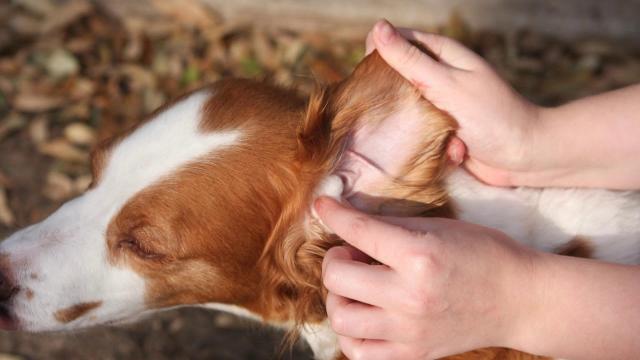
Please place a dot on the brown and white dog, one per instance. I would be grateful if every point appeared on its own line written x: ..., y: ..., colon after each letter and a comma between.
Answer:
x: 208, y: 202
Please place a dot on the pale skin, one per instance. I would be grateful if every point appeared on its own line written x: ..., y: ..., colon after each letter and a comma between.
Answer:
x: 443, y: 286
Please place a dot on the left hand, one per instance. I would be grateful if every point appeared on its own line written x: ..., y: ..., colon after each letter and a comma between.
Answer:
x: 439, y: 287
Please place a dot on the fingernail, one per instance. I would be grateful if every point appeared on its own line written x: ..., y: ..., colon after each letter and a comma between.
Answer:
x: 385, y: 31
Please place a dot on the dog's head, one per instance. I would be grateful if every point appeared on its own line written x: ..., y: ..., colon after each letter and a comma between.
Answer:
x: 209, y: 201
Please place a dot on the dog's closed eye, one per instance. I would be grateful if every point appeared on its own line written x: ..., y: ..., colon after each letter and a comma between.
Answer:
x: 137, y: 248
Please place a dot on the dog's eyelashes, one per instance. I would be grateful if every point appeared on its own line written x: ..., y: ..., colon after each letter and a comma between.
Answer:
x: 135, y: 247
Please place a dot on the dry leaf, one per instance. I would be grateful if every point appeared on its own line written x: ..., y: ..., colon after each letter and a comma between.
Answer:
x: 11, y: 123
x: 38, y: 7
x: 10, y: 357
x: 82, y: 89
x: 39, y: 130
x: 36, y: 102
x: 58, y: 186
x: 188, y: 12
x: 65, y: 14
x: 6, y: 215
x: 81, y: 183
x: 60, y: 63
x: 80, y: 134
x: 63, y: 150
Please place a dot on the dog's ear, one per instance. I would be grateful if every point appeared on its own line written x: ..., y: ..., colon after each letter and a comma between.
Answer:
x: 371, y: 113
x: 375, y: 127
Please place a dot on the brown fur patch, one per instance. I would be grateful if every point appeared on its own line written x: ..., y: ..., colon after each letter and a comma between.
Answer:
x: 73, y: 312
x: 579, y: 246
x: 29, y: 294
x: 495, y: 354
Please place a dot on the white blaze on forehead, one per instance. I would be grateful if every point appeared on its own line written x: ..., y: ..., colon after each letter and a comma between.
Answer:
x: 170, y: 140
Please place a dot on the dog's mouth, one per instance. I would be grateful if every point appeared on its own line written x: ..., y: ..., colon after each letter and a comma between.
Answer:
x: 7, y: 319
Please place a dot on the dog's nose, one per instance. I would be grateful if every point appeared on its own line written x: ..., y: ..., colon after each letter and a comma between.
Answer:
x: 7, y: 288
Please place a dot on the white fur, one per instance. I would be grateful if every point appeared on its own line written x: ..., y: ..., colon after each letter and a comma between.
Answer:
x: 546, y: 219
x: 331, y: 186
x: 322, y: 340
x: 67, y: 254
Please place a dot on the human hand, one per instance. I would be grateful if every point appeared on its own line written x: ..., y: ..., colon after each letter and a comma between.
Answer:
x: 497, y: 125
x: 441, y: 287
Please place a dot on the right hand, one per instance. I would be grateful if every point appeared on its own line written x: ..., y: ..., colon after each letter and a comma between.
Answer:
x: 497, y: 125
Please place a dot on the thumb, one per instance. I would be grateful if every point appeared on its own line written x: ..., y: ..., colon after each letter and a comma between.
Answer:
x: 408, y: 60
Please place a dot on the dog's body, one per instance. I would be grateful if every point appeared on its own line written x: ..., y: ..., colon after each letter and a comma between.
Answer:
x: 208, y: 202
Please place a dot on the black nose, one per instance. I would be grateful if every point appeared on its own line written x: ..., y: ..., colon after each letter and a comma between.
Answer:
x: 7, y: 288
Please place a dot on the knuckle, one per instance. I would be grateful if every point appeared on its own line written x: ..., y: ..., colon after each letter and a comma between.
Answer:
x: 417, y: 303
x: 339, y: 322
x: 424, y: 265
x: 412, y: 55
x: 348, y: 348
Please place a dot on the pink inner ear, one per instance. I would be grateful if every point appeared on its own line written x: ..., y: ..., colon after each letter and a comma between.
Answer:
x: 379, y: 152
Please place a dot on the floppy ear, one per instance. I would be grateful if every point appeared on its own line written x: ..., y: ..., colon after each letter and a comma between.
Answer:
x: 388, y: 143
x: 375, y: 125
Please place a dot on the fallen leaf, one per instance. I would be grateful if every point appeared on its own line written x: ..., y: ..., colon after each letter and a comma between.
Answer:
x: 61, y: 63
x: 58, y: 186
x: 82, y: 89
x: 10, y: 357
x: 66, y: 13
x: 10, y: 124
x: 63, y: 150
x: 79, y: 134
x: 81, y: 183
x: 39, y: 130
x: 36, y: 102
x: 6, y: 215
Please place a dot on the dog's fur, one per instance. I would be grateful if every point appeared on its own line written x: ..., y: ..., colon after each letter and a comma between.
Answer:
x: 208, y: 202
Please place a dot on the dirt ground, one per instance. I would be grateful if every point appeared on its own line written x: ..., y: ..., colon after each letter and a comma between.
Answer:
x: 72, y: 75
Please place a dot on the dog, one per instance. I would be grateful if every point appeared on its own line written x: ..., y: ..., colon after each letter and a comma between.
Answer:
x: 208, y: 202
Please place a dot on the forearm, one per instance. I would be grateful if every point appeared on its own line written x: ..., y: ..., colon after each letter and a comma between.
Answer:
x: 583, y: 309
x: 592, y: 142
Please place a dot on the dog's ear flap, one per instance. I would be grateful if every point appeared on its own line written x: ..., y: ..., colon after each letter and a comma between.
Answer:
x: 378, y: 115
x: 335, y: 111
x: 314, y: 134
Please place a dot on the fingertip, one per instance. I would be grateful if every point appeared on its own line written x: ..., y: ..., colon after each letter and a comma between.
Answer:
x: 456, y: 150
x: 321, y: 204
x: 384, y: 32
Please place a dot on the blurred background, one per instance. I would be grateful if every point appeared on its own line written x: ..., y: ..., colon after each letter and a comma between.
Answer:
x: 75, y: 71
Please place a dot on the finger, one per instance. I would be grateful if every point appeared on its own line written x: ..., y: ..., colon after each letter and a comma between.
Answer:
x: 359, y: 349
x: 427, y: 226
x: 345, y: 252
x: 488, y: 174
x: 369, y: 45
x: 381, y: 241
x: 413, y: 64
x: 356, y: 280
x: 357, y: 320
x: 456, y: 150
x: 447, y: 50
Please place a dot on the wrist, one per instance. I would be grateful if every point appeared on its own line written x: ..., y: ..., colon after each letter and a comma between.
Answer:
x: 547, y: 150
x: 526, y: 298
